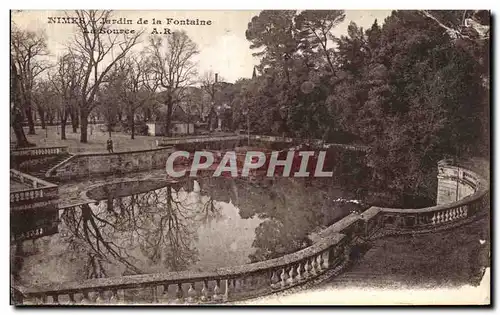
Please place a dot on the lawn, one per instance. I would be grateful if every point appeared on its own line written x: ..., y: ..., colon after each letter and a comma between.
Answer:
x: 96, y: 140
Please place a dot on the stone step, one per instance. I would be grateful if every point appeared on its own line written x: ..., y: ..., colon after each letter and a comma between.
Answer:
x: 40, y: 173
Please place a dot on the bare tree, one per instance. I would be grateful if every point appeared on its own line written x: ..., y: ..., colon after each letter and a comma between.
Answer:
x: 100, y: 50
x: 209, y: 85
x: 135, y: 85
x: 66, y: 80
x: 172, y: 61
x: 28, y: 50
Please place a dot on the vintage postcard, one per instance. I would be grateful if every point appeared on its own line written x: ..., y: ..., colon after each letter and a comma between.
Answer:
x: 287, y: 157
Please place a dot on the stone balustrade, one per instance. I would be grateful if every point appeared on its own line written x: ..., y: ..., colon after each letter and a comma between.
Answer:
x: 38, y: 151
x: 217, y: 286
x: 442, y: 216
x: 39, y: 190
x: 262, y: 138
x: 328, y: 255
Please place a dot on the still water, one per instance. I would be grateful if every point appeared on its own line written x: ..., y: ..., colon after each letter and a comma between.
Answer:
x: 196, y: 224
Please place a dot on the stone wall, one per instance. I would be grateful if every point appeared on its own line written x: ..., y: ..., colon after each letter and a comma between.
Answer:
x: 86, y: 165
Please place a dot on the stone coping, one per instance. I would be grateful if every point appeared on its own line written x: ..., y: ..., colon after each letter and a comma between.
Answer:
x: 76, y: 155
x: 38, y: 148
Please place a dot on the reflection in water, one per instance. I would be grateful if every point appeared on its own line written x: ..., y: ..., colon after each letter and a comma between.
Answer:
x: 191, y: 225
x: 148, y: 232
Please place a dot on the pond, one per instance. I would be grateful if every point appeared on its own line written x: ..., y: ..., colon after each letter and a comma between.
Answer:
x: 141, y: 227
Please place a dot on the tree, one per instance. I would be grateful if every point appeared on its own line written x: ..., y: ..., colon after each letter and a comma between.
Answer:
x: 315, y: 27
x: 172, y: 62
x: 16, y: 108
x: 66, y: 80
x: 100, y: 52
x: 28, y: 50
x: 209, y: 86
x: 134, y: 84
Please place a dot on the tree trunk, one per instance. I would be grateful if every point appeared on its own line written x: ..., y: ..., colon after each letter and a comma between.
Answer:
x: 74, y: 120
x: 17, y: 117
x: 169, y: 116
x: 131, y: 125
x: 41, y: 113
x: 51, y: 119
x: 31, y: 123
x: 17, y: 125
x: 83, y: 125
x: 64, y: 118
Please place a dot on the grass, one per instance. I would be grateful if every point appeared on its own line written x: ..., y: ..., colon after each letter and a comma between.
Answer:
x: 96, y: 140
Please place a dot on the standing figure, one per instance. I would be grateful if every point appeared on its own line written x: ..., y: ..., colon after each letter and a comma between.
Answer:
x: 109, y: 145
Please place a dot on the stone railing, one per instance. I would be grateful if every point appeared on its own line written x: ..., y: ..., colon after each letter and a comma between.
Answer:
x: 38, y: 151
x: 263, y: 138
x: 196, y: 139
x: 315, y: 142
x: 218, y: 286
x: 38, y: 191
x: 389, y: 221
x: 86, y: 165
x: 326, y: 257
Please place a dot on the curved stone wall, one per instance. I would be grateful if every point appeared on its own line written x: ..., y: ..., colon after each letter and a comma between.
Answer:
x: 326, y: 257
x: 85, y: 165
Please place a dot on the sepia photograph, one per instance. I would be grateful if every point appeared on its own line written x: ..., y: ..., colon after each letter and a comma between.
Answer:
x: 291, y: 157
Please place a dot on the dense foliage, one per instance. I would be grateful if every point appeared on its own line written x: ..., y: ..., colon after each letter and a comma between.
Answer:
x: 408, y: 88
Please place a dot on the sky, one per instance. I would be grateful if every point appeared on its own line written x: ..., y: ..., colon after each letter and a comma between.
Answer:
x: 222, y: 45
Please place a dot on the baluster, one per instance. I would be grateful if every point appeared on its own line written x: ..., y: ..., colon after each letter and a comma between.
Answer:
x: 226, y: 293
x: 319, y: 262
x: 326, y: 261
x: 114, y: 299
x: 43, y: 299
x: 71, y: 298
x: 55, y: 299
x: 244, y: 282
x: 179, y: 294
x: 217, y: 296
x: 192, y: 295
x: 291, y: 275
x: 299, y: 272
x: 100, y: 299
x: 86, y: 298
x: 314, y: 270
x: 283, y: 277
x: 307, y: 269
x: 165, y: 292
x: 274, y: 279
x: 236, y: 284
x: 204, y: 291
